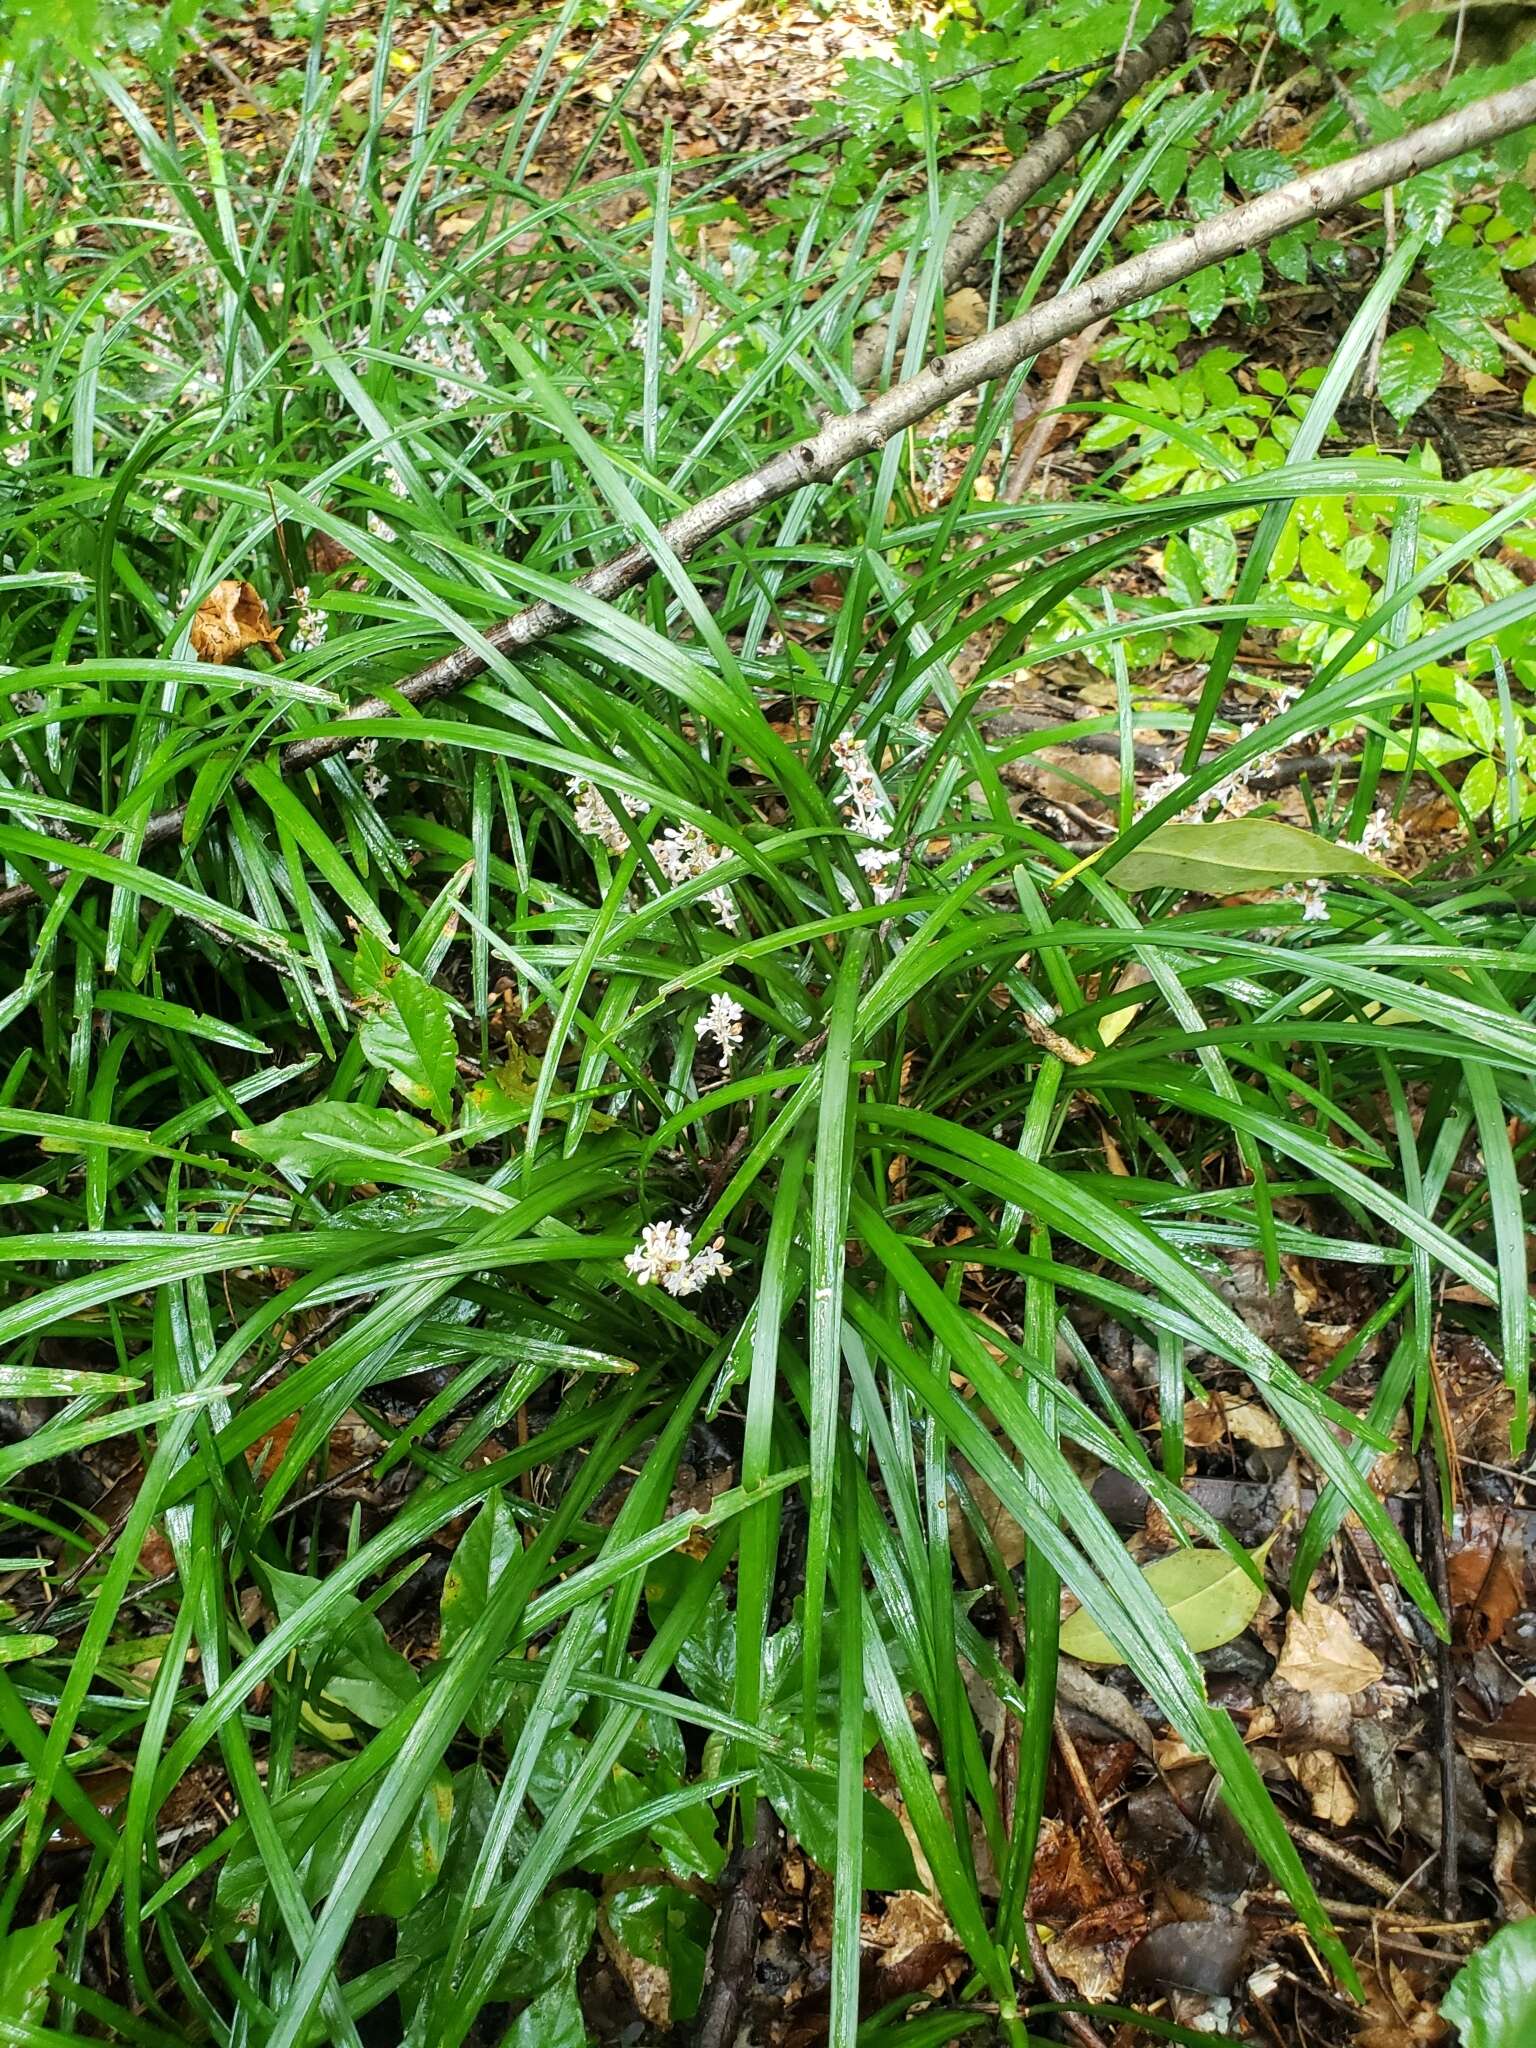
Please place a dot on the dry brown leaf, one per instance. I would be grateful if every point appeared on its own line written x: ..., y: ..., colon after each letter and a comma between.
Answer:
x: 965, y: 315
x: 230, y: 618
x: 1324, y: 1780
x: 1118, y: 1022
x: 1486, y: 1574
x: 1322, y: 1653
x: 1001, y: 1526
x: 1211, y: 1421
x: 911, y: 1922
x: 1395, y: 2015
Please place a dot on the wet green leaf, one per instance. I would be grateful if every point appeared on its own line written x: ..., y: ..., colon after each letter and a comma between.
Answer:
x: 345, y: 1142
x: 1231, y: 855
x: 1411, y: 369
x: 806, y: 1802
x: 1492, y: 1999
x: 1209, y: 1598
x: 29, y: 1956
x: 409, y: 1036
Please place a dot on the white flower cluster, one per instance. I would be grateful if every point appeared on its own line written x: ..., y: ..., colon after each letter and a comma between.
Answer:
x: 18, y: 413
x: 375, y: 781
x: 1313, y: 897
x: 596, y: 818
x: 394, y: 483
x: 868, y: 811
x: 665, y: 1257
x: 311, y: 626
x: 683, y: 852
x: 440, y: 345
x: 1382, y: 835
x: 722, y: 1022
x: 1231, y: 796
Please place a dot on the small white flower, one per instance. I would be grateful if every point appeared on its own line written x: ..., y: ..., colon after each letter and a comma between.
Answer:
x: 1164, y: 786
x: 1381, y: 836
x: 709, y: 1264
x: 661, y: 1256
x: 868, y: 811
x: 665, y: 1257
x: 684, y: 852
x: 722, y: 1022
x: 1314, y: 902
x: 310, y: 627
x: 596, y: 819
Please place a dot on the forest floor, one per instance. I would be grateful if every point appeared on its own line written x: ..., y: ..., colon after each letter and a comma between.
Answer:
x: 1143, y: 1889
x: 1408, y: 1771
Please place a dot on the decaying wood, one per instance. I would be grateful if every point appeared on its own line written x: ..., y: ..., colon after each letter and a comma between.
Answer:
x: 846, y: 437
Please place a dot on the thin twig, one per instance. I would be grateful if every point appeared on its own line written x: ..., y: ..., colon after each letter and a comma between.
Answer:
x: 1432, y: 1552
x: 1087, y: 1799
x: 1029, y: 455
x: 1057, y: 1992
x: 734, y: 1947
x: 1026, y: 176
x: 846, y: 437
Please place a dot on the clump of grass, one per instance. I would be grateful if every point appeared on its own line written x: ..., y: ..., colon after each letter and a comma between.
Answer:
x: 676, y: 1040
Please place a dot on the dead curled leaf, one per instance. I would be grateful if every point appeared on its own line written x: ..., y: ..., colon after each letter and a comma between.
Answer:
x: 230, y: 618
x: 1324, y: 1780
x: 1322, y: 1653
x: 1486, y: 1574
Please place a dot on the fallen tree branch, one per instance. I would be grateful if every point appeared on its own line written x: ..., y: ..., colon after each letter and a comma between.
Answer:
x: 753, y: 179
x: 1029, y: 455
x: 846, y: 437
x: 733, y: 1949
x: 1025, y: 177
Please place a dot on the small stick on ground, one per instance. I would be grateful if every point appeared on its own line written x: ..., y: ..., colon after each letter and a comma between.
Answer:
x: 1087, y: 1799
x: 1061, y: 390
x: 733, y: 1950
x: 1432, y: 1551
x: 1058, y: 1992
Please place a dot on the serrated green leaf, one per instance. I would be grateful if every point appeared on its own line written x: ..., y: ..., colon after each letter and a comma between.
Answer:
x: 1289, y: 255
x: 1410, y: 371
x: 1245, y: 278
x: 346, y: 1142
x: 1204, y: 296
x: 29, y: 1956
x: 409, y: 1036
x: 1232, y: 855
x: 1209, y: 1598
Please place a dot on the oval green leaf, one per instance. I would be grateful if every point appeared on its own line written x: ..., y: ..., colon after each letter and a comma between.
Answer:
x: 1231, y: 855
x: 1209, y: 1598
x: 1492, y: 1999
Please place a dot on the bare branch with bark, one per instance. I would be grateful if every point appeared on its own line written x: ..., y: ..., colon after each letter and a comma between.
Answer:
x: 847, y: 437
x: 1028, y: 174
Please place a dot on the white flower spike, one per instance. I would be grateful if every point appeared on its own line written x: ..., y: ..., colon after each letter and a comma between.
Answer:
x: 665, y: 1258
